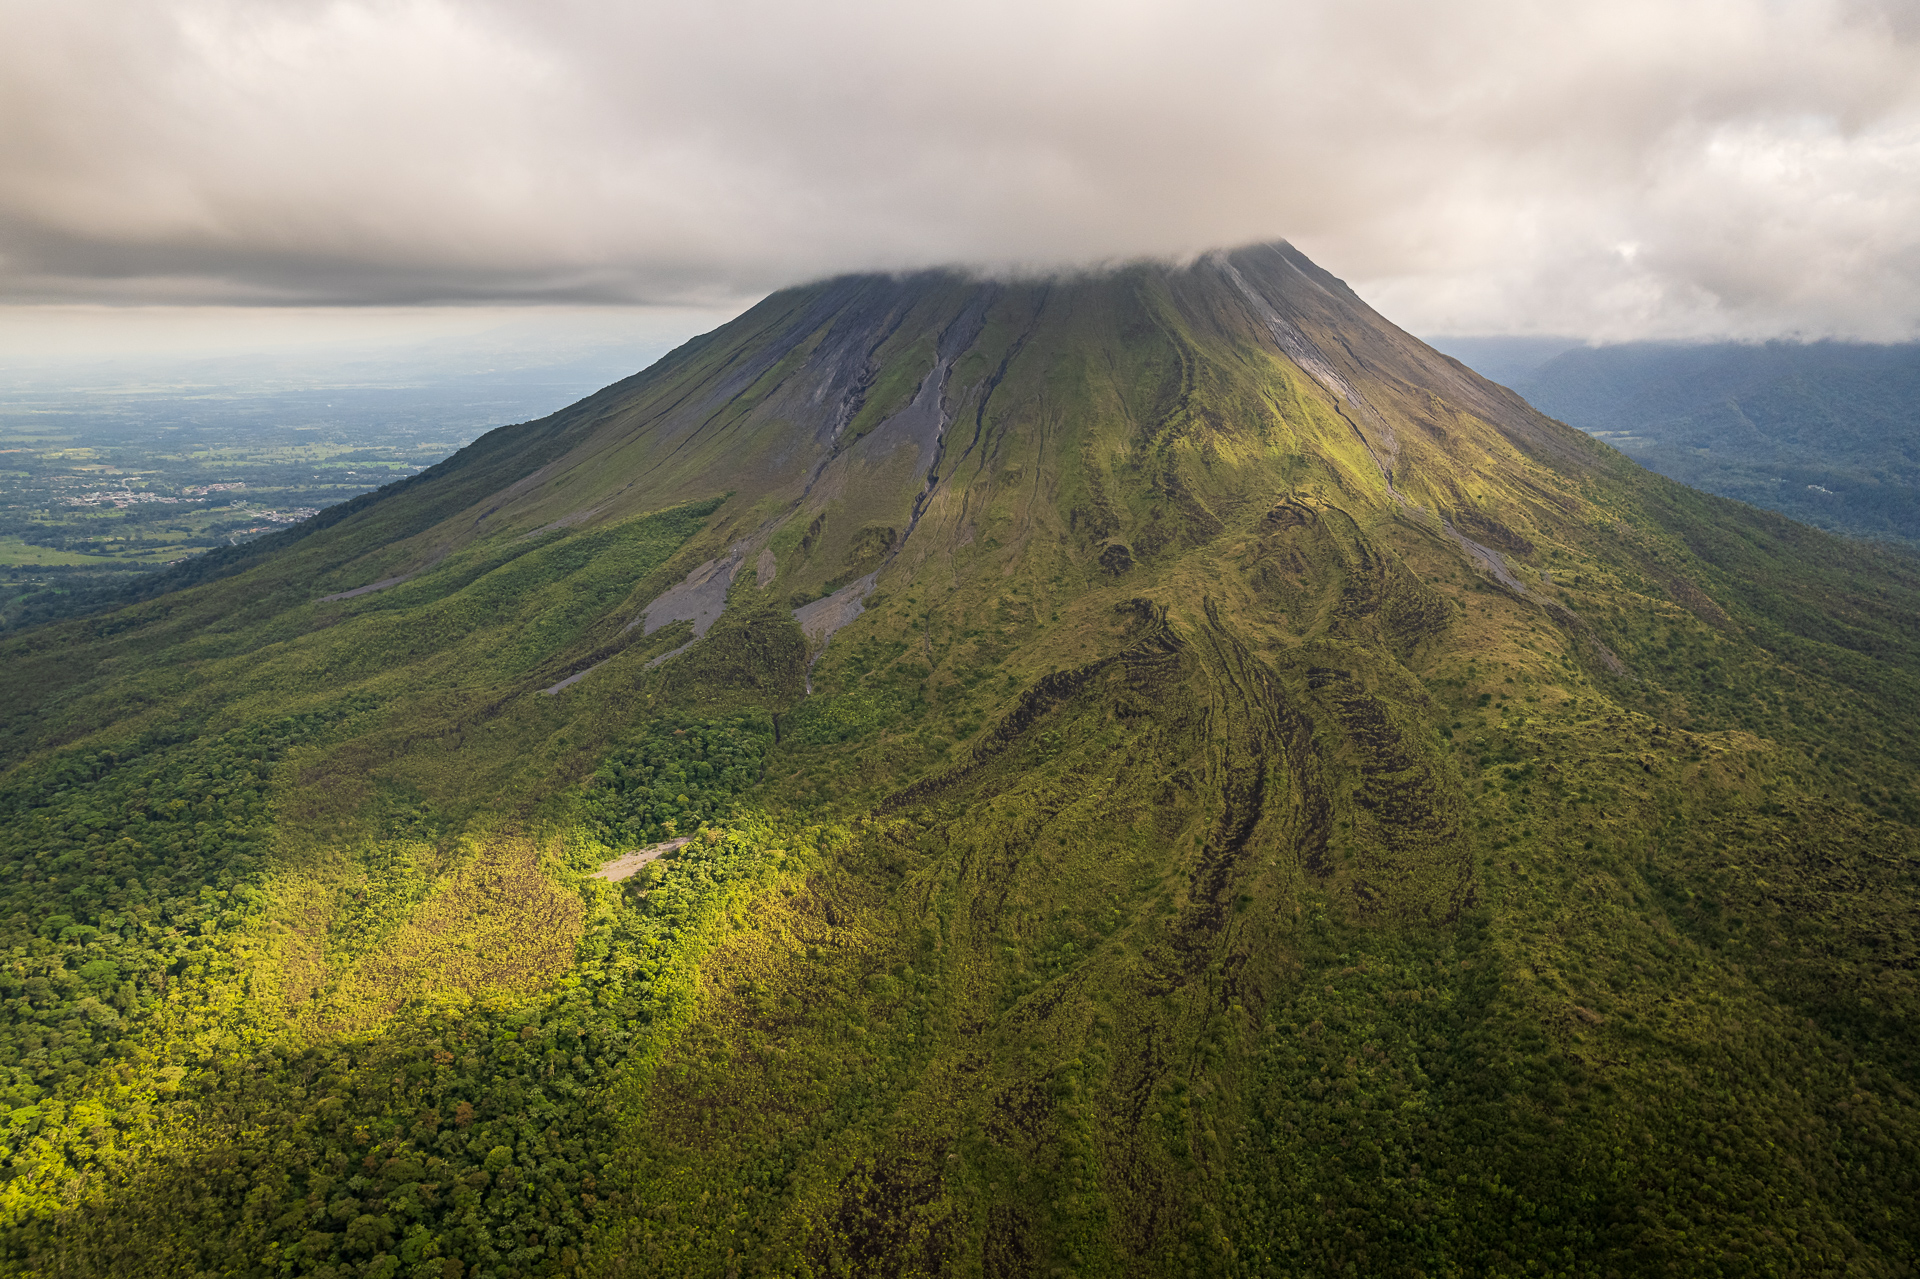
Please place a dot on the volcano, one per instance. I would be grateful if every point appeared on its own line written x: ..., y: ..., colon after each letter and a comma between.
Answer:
x: 1147, y: 772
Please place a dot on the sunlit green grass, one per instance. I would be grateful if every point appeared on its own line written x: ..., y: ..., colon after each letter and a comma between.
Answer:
x: 14, y: 550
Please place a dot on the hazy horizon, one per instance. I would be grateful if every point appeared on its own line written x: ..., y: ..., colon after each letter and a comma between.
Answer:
x: 68, y: 351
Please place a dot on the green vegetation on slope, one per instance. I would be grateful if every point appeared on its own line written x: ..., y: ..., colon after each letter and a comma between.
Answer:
x: 463, y: 1135
x: 680, y: 774
x: 156, y: 850
x: 1192, y: 860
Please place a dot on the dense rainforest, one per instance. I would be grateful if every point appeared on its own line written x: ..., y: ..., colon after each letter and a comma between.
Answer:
x: 1149, y: 773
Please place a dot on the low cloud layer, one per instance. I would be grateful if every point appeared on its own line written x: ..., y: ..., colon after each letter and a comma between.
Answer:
x: 1630, y: 168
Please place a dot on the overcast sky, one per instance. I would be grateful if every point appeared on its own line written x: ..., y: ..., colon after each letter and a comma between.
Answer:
x: 1632, y: 168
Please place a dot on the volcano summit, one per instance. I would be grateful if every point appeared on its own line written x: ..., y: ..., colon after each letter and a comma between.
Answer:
x: 1181, y: 778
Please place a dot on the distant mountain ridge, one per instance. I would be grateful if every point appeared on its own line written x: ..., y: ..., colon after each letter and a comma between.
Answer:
x: 1152, y: 772
x: 1825, y: 432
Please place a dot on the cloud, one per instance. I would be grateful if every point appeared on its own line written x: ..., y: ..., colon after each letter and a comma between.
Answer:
x: 1629, y: 168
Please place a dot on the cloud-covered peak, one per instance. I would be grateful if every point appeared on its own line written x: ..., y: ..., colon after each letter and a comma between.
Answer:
x: 1631, y: 168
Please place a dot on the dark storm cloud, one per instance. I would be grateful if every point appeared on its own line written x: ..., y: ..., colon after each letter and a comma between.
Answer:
x: 1627, y: 168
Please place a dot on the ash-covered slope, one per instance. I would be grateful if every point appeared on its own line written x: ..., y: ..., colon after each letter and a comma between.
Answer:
x: 1186, y: 778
